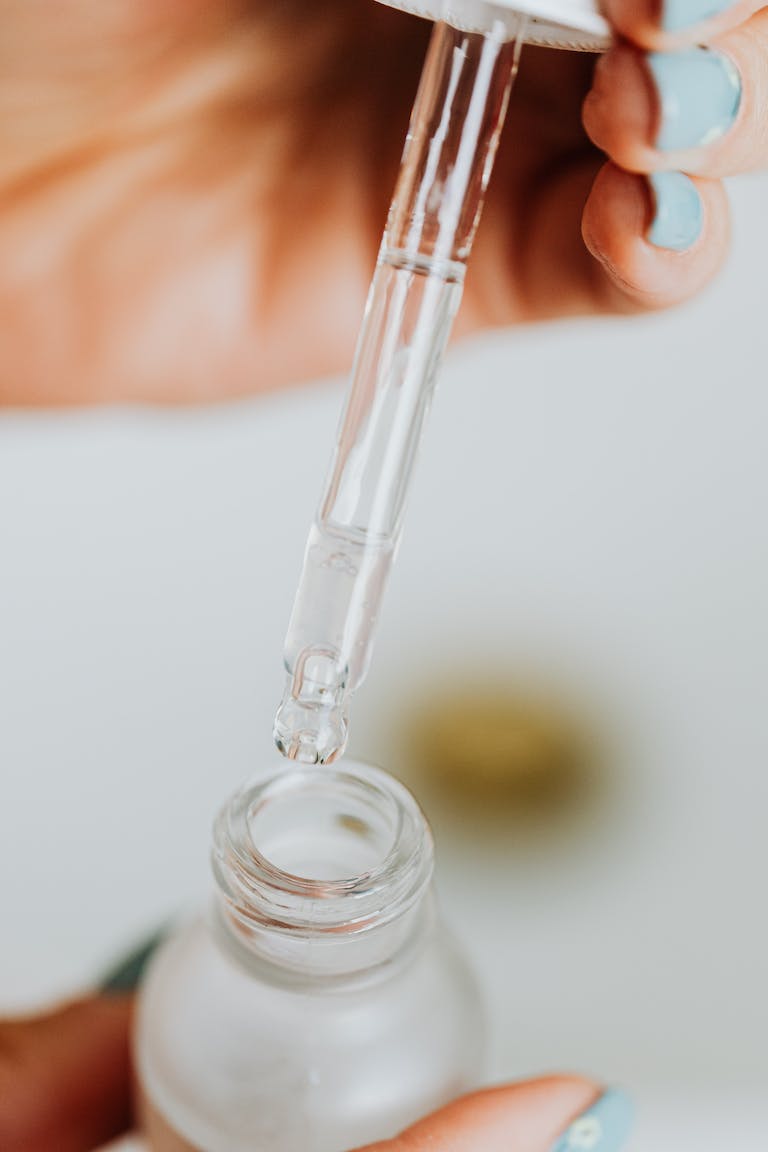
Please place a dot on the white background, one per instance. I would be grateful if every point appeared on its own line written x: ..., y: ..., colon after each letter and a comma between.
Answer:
x: 590, y: 510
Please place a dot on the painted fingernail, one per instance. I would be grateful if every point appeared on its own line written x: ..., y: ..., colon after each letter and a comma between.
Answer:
x: 678, y: 211
x: 605, y: 1127
x: 679, y: 14
x: 126, y: 974
x: 699, y: 94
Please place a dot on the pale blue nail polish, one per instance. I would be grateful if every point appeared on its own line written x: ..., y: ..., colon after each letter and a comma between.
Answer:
x: 700, y: 96
x: 605, y: 1127
x: 679, y: 14
x: 679, y: 213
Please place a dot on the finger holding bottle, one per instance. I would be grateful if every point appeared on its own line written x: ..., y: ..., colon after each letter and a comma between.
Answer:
x: 65, y: 1080
x: 558, y: 1114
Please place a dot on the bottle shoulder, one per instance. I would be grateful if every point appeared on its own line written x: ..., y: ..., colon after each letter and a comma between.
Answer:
x: 217, y: 1047
x: 199, y: 955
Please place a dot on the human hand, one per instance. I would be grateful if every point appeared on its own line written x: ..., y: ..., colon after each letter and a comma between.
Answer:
x: 65, y: 1084
x: 558, y: 1114
x: 65, y: 1077
x: 683, y: 90
x: 191, y: 195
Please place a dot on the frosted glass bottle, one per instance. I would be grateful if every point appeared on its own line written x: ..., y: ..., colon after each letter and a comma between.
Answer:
x: 321, y: 1005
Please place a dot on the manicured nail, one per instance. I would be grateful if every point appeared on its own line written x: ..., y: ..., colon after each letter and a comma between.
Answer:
x: 679, y: 213
x: 679, y: 14
x: 126, y: 975
x: 700, y: 96
x: 605, y: 1127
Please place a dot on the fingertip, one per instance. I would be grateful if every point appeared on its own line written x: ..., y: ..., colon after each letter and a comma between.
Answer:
x: 636, y: 20
x: 529, y: 1117
x: 661, y: 25
x: 621, y: 110
x: 657, y: 244
x: 678, y: 212
x: 617, y: 214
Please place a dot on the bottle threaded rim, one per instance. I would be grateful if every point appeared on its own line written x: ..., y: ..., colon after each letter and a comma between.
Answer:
x: 321, y: 851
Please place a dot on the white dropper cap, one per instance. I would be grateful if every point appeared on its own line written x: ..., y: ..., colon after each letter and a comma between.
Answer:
x: 575, y: 24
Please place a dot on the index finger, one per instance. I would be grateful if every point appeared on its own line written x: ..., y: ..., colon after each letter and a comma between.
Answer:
x: 660, y: 25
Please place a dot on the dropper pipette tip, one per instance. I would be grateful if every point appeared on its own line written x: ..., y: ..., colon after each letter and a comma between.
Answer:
x: 310, y: 733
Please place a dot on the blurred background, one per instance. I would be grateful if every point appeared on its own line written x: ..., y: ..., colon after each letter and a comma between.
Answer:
x: 570, y: 673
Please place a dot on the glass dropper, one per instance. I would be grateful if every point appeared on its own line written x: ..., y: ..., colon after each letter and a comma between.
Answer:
x: 414, y: 296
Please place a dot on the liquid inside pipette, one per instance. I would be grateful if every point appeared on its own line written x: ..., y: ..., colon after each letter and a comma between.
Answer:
x: 342, y: 583
x: 338, y: 600
x: 412, y: 302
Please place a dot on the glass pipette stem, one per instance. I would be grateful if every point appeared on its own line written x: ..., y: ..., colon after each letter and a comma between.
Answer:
x: 414, y: 296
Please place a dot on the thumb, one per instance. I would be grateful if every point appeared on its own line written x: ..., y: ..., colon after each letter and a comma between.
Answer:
x: 561, y: 1114
x: 65, y: 1077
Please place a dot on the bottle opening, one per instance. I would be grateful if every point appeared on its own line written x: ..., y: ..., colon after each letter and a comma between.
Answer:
x: 320, y: 830
x: 307, y: 852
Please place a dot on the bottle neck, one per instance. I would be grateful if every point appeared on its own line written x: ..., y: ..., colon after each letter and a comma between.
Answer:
x: 322, y: 872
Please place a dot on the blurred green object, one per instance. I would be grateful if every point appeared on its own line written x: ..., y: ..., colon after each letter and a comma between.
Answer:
x: 126, y: 974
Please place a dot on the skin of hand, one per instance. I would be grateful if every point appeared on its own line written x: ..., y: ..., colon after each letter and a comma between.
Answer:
x: 191, y: 194
x: 65, y: 1077
x: 65, y: 1084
